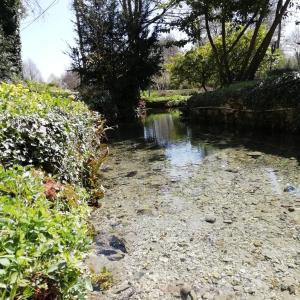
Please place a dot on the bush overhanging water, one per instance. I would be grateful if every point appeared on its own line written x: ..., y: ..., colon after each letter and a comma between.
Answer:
x: 50, y: 154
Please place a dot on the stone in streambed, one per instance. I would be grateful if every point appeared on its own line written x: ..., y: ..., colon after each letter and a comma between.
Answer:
x: 131, y: 174
x: 227, y: 221
x: 254, y: 154
x: 210, y: 219
x: 117, y: 243
x: 289, y: 188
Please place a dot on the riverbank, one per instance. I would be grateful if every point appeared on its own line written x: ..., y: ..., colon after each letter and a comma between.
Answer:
x: 203, y: 215
x: 272, y: 104
x: 164, y: 99
x: 50, y: 155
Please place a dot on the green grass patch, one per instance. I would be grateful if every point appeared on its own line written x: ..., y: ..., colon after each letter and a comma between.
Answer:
x: 240, y: 86
x: 167, y: 95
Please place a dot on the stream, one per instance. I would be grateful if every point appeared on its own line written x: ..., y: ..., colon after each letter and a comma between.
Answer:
x: 198, y: 213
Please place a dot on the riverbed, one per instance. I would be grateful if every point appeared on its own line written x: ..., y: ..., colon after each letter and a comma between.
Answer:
x: 198, y: 213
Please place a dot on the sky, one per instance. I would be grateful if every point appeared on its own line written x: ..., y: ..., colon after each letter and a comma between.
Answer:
x: 46, y: 40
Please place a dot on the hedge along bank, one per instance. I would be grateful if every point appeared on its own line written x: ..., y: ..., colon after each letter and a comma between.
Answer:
x: 50, y: 154
x: 271, y: 104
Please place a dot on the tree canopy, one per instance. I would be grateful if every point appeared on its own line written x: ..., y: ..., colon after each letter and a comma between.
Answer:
x: 118, y: 49
x: 243, y: 15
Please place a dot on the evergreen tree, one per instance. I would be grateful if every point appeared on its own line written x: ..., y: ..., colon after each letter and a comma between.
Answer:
x: 118, y: 49
x: 10, y: 42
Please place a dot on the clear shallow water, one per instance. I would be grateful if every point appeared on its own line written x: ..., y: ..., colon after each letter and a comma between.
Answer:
x: 166, y: 131
x: 184, y: 146
x: 160, y: 191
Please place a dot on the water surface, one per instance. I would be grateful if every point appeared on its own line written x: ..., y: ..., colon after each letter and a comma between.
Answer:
x: 166, y: 179
x: 185, y: 144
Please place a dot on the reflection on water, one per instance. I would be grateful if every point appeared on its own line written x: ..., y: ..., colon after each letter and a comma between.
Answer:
x: 185, y: 145
x: 169, y: 132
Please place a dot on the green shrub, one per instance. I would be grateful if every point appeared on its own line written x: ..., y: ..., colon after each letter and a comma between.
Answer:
x: 42, y: 242
x: 49, y: 130
x: 272, y: 93
x: 50, y: 156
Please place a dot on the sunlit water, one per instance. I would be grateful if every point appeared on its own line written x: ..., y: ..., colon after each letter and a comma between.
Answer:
x: 166, y: 131
x: 164, y: 177
x: 170, y: 133
x: 185, y: 146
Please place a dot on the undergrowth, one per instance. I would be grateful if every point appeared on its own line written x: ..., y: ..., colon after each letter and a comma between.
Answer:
x: 50, y: 156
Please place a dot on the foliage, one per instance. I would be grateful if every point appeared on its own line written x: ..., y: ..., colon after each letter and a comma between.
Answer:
x: 10, y: 42
x: 167, y: 95
x: 102, y: 280
x: 276, y: 92
x: 199, y: 65
x: 245, y: 17
x: 46, y: 128
x: 42, y: 241
x: 118, y: 51
x: 5, y: 62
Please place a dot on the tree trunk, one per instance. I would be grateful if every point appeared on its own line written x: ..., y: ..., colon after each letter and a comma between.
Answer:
x: 224, y: 59
x: 279, y: 35
x: 204, y: 86
x: 261, y: 51
x: 251, y: 47
x: 215, y: 51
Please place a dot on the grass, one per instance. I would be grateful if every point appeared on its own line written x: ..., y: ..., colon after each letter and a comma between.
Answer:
x: 239, y: 86
x: 167, y: 95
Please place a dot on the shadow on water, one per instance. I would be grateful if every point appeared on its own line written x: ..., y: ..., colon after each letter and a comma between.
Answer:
x: 189, y: 143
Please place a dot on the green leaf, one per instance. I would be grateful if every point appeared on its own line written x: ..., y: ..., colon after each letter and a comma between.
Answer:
x: 14, y: 277
x: 4, y: 261
x: 3, y: 285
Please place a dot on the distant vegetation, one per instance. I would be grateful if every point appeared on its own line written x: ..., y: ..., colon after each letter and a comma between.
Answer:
x: 166, y: 98
x: 270, y: 104
x: 199, y: 66
x: 121, y: 49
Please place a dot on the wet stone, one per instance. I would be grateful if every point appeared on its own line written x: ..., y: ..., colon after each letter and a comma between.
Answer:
x: 131, y: 174
x: 118, y: 243
x: 227, y: 221
x: 210, y: 219
x: 254, y: 154
x: 289, y: 188
x: 185, y: 291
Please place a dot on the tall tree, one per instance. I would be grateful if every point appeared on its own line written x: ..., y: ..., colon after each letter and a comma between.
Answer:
x: 10, y: 47
x: 118, y: 49
x: 242, y: 15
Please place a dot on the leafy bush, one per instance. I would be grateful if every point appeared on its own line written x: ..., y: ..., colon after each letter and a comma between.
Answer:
x: 44, y: 233
x: 272, y: 93
x: 49, y: 130
x: 42, y: 241
x: 200, y: 67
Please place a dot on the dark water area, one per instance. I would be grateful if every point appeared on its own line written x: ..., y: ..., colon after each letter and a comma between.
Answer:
x: 185, y: 143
